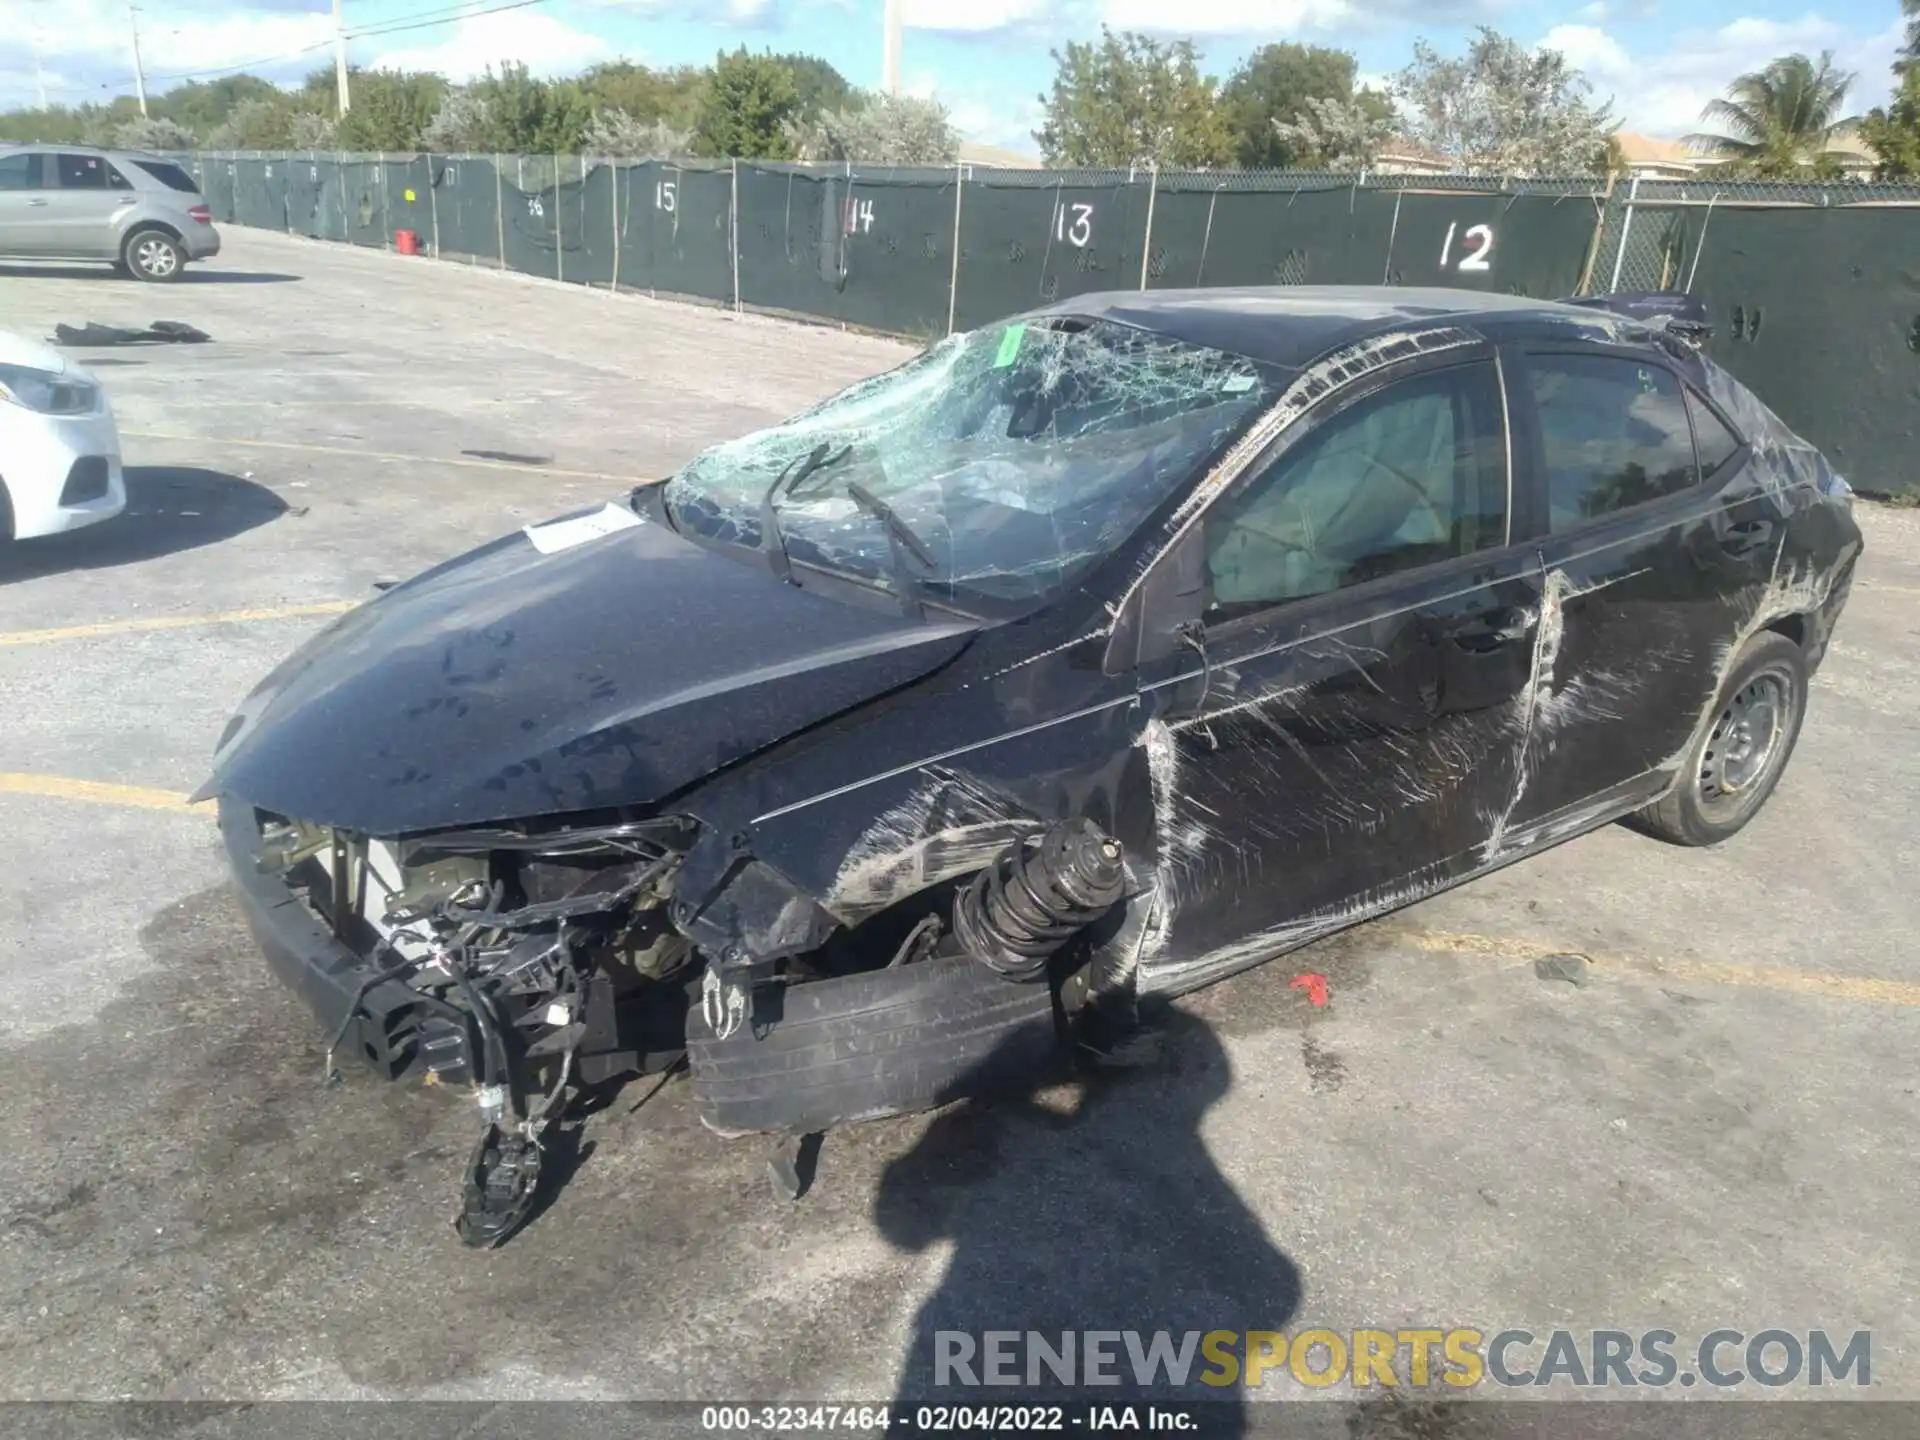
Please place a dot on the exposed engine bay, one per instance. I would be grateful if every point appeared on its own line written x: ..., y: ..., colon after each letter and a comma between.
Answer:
x: 526, y: 965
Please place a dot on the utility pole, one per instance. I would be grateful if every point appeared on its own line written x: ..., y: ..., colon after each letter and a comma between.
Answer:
x: 39, y: 74
x: 340, y: 58
x: 890, y: 47
x: 139, y: 75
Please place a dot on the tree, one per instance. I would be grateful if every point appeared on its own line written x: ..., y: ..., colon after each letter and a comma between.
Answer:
x: 643, y: 94
x: 1779, y: 123
x: 524, y: 116
x: 1503, y: 109
x: 1892, y: 132
x: 154, y: 134
x: 616, y: 133
x: 462, y: 125
x: 1131, y: 100
x: 391, y: 109
x: 259, y: 122
x: 748, y: 101
x: 203, y: 106
x: 819, y: 88
x: 881, y: 130
x: 1333, y: 134
x: 1272, y: 88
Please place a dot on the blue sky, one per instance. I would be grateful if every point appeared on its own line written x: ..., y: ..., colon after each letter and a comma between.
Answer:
x: 987, y: 60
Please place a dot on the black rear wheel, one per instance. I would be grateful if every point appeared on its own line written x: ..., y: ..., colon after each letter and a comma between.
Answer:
x: 1733, y: 765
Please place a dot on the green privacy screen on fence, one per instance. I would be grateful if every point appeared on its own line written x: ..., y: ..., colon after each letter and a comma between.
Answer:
x: 1818, y: 312
x: 916, y: 252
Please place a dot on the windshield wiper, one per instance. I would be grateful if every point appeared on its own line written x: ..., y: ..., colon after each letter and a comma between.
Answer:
x: 799, y: 468
x: 900, y: 539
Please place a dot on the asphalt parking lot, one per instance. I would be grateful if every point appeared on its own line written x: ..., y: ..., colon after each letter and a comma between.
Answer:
x: 1716, y: 1129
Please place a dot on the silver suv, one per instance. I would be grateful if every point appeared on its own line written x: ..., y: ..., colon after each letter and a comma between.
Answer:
x: 140, y: 213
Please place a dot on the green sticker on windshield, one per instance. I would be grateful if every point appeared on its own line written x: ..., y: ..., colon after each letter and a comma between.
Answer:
x: 1010, y: 339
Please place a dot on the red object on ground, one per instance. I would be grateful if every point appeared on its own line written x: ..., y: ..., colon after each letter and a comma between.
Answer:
x: 1314, y: 985
x: 406, y: 242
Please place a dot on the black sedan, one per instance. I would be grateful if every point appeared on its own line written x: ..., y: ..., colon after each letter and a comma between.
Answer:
x: 1083, y: 659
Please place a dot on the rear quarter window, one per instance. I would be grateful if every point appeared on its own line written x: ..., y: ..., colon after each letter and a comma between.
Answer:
x: 169, y: 175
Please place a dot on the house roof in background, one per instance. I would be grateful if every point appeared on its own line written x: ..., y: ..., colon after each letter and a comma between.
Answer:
x: 997, y: 157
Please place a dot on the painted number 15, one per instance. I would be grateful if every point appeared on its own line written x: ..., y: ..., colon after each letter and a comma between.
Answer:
x: 1476, y: 247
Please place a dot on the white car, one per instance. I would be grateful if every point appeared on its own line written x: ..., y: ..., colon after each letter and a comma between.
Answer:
x: 59, y: 449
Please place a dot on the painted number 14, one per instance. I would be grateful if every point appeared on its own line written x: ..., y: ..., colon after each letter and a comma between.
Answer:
x: 1476, y: 247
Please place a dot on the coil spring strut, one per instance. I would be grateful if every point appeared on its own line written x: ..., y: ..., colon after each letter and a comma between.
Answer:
x: 1035, y: 895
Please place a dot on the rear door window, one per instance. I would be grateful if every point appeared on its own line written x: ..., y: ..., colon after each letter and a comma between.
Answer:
x: 169, y: 175
x: 21, y: 171
x: 80, y: 172
x: 1615, y: 434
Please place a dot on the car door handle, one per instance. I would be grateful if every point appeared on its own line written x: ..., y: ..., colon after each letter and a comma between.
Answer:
x: 36, y: 202
x: 1494, y: 628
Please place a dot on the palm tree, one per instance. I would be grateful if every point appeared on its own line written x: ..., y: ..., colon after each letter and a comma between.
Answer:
x: 1777, y: 123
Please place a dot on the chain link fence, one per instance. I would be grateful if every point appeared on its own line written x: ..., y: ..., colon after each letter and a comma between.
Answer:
x: 1810, y: 298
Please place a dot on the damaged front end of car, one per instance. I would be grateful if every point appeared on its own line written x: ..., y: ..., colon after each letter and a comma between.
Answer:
x: 523, y: 964
x: 510, y: 962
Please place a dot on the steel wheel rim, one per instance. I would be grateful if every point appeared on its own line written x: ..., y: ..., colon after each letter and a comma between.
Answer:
x: 1745, y: 745
x: 154, y: 256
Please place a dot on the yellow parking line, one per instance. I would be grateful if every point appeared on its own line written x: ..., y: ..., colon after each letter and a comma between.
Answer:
x: 1706, y: 972
x: 174, y: 622
x: 466, y: 460
x: 98, y: 792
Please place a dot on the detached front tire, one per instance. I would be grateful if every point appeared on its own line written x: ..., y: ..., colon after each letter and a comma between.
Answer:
x: 154, y: 256
x: 1732, y: 767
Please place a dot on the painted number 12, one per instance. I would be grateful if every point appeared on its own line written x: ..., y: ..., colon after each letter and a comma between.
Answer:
x: 1476, y: 247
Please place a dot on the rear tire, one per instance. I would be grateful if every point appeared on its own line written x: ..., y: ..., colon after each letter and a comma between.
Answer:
x: 6, y: 515
x: 885, y: 1042
x: 1733, y: 765
x: 153, y: 255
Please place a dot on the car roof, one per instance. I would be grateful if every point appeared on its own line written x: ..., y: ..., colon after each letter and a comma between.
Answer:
x: 75, y: 148
x: 1292, y: 325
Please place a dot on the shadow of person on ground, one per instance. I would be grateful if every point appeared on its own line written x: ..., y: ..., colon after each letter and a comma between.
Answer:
x: 169, y: 508
x: 1113, y: 1217
x: 193, y: 274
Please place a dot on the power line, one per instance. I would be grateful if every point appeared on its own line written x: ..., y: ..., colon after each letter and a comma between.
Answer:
x: 422, y: 24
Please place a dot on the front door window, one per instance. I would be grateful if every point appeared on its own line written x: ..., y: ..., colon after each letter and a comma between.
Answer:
x: 1403, y: 478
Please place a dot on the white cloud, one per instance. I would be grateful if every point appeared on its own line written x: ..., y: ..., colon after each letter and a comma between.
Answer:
x: 83, y: 44
x: 1226, y: 17
x: 987, y: 116
x: 970, y: 15
x: 1663, y: 91
x: 546, y: 46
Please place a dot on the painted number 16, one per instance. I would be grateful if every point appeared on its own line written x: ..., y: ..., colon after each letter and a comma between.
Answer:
x: 1476, y: 247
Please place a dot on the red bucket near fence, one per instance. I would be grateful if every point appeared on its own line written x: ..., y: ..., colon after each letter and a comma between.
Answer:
x: 406, y: 242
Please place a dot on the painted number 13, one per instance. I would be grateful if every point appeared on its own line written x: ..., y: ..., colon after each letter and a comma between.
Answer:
x: 1476, y: 247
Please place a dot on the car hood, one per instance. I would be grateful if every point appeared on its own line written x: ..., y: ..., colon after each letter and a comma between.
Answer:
x: 514, y: 683
x: 17, y: 349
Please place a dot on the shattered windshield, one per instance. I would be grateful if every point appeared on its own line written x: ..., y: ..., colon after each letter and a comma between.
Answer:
x: 1008, y: 457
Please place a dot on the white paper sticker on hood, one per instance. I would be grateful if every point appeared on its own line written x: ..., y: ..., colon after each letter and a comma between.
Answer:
x: 558, y: 535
